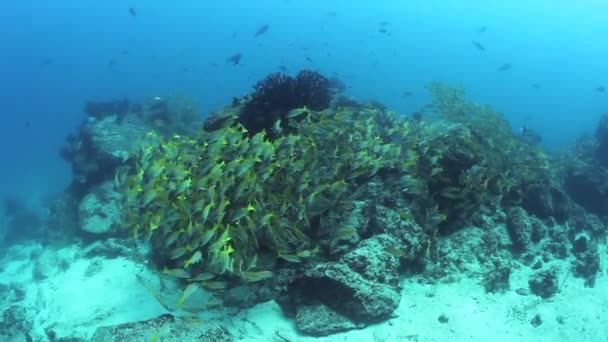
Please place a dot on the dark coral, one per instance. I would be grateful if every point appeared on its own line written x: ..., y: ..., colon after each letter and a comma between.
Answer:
x: 587, y: 263
x: 312, y: 90
x: 277, y: 94
x: 519, y: 227
x: 545, y: 283
x: 497, y: 280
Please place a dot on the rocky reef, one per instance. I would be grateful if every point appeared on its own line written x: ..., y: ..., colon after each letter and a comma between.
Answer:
x: 321, y: 202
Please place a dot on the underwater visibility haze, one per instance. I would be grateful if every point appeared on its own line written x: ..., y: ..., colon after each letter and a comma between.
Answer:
x: 303, y: 170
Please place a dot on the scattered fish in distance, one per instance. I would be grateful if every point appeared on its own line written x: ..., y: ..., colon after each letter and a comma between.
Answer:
x: 479, y: 46
x: 504, y: 67
x: 262, y: 30
x: 235, y: 59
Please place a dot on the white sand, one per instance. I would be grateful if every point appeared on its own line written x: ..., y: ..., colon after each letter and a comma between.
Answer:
x: 76, y: 305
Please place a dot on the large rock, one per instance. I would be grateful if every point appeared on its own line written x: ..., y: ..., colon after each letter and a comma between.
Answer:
x: 520, y: 227
x: 167, y: 328
x: 100, y: 211
x: 14, y: 325
x: 361, y: 288
x: 100, y: 147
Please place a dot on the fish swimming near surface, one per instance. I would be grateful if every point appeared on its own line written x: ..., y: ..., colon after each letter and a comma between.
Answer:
x: 479, y: 46
x: 600, y: 89
x: 406, y: 94
x: 235, y: 59
x: 504, y: 67
x: 263, y: 29
x: 536, y: 86
x: 132, y: 12
x: 482, y: 29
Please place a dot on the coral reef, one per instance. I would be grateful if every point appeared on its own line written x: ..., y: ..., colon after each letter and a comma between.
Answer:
x: 238, y: 195
x: 15, y: 325
x: 520, y: 227
x: 113, y: 131
x: 277, y: 94
x: 100, y: 211
x: 476, y: 160
x: 299, y: 193
x: 587, y: 263
x: 545, y: 283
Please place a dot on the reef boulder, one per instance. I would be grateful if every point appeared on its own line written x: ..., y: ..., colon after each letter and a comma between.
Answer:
x: 359, y: 289
x: 100, y: 211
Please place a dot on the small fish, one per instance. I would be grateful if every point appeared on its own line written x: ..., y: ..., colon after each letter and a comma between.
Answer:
x: 283, y: 68
x: 193, y: 310
x: 396, y: 252
x: 482, y: 29
x: 194, y: 259
x: 504, y: 67
x: 253, y: 276
x: 600, y: 89
x: 276, y: 128
x: 479, y: 46
x: 235, y: 59
x: 262, y: 30
x: 203, y: 277
x: 178, y: 252
x: 297, y: 112
x: 308, y: 59
x: 214, y: 285
x: 382, y: 30
x: 406, y: 94
x: 154, y: 291
x: 176, y: 272
x: 290, y: 257
x: 536, y: 86
x: 112, y: 62
x: 213, y: 302
x: 188, y: 291
x: 383, y: 23
x: 132, y: 12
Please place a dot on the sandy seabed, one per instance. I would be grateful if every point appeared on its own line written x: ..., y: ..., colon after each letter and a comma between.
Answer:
x: 73, y: 300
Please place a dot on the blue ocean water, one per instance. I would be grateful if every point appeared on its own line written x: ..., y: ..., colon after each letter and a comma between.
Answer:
x: 57, y: 55
x: 542, y: 64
